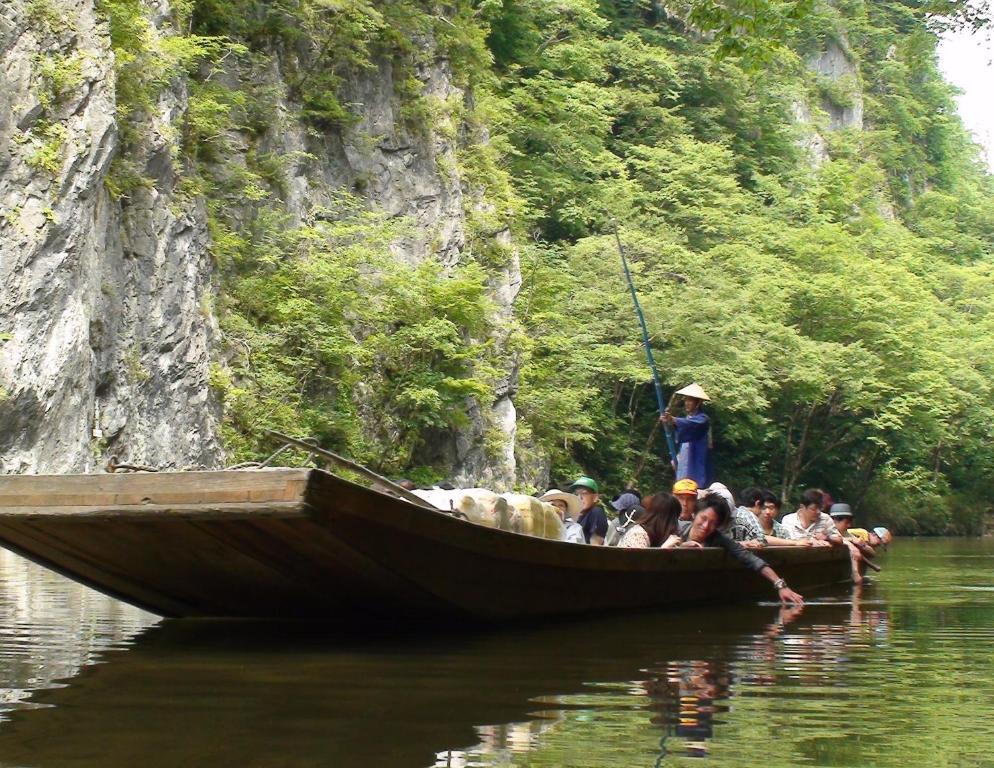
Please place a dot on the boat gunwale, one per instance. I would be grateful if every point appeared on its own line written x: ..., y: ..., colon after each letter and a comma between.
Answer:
x: 435, y: 525
x: 536, y: 550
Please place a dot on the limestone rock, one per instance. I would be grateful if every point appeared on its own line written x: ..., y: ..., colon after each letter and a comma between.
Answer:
x: 107, y: 345
x: 107, y: 331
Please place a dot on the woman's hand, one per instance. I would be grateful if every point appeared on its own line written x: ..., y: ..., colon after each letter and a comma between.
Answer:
x: 671, y: 542
x: 691, y: 544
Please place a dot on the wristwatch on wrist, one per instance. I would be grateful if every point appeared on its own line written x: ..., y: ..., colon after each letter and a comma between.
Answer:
x: 779, y: 584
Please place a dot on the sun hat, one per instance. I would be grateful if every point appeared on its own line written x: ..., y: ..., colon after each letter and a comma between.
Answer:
x: 630, y: 489
x: 625, y: 501
x: 572, y: 502
x: 585, y: 482
x: 721, y: 490
x: 685, y: 487
x: 884, y: 534
x: 694, y: 390
x: 840, y: 510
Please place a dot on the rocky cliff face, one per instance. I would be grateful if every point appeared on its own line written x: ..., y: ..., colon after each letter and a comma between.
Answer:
x: 106, y: 343
x: 106, y: 315
x: 841, y: 105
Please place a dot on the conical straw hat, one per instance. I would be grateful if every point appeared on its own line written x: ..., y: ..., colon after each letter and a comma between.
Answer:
x: 694, y: 390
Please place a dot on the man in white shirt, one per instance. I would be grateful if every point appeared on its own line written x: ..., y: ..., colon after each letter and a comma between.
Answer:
x: 809, y: 522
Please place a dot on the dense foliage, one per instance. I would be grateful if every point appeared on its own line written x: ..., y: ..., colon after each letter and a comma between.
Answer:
x: 828, y: 283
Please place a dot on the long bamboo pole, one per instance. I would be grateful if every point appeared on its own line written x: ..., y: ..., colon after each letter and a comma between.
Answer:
x: 660, y: 400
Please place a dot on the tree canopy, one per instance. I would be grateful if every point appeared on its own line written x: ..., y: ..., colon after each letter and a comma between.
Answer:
x: 809, y: 225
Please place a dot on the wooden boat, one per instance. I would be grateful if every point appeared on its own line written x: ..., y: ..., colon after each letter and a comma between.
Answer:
x: 298, y: 543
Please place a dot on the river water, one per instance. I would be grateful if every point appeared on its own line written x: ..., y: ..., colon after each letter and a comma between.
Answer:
x: 897, y: 673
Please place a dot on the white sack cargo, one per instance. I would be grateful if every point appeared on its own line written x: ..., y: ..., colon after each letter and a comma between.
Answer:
x: 509, y: 512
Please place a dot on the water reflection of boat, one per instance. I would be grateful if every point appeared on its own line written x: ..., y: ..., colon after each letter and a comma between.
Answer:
x: 218, y: 693
x: 306, y: 543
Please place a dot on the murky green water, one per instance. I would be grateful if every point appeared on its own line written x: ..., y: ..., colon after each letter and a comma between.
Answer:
x: 900, y: 673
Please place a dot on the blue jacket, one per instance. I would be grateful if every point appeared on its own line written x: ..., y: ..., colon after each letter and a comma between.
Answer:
x: 694, y: 455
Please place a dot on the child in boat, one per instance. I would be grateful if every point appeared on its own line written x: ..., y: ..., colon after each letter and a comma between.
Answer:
x: 593, y: 518
x: 769, y: 511
x: 705, y: 531
x: 657, y: 527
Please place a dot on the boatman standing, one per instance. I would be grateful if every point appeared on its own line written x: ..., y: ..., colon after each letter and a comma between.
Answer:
x: 693, y: 437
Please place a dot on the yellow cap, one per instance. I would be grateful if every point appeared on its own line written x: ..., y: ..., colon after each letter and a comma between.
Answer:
x: 685, y: 486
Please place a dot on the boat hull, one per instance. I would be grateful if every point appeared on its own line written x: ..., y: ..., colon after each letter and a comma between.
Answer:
x: 308, y: 544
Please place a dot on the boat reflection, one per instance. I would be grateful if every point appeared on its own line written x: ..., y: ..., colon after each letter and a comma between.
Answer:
x: 688, y: 694
x: 226, y: 693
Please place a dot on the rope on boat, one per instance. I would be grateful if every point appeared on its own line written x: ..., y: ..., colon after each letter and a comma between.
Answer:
x: 267, y: 462
x: 113, y: 465
x: 310, y: 445
x: 389, y: 486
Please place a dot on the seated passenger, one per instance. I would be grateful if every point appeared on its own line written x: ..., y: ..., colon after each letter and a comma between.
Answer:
x: 626, y: 500
x: 569, y: 507
x: 629, y: 507
x: 776, y: 534
x: 686, y: 493
x: 752, y: 499
x: 841, y: 515
x: 809, y: 522
x: 658, y: 526
x: 858, y: 533
x: 705, y: 531
x: 593, y: 518
x: 742, y: 523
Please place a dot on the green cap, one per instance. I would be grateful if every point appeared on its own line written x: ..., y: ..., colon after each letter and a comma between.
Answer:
x: 585, y: 482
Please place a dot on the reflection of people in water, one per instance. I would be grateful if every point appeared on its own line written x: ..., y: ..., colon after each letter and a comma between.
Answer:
x: 686, y: 695
x: 810, y: 650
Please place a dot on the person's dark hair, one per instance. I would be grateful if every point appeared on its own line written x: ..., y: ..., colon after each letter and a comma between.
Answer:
x: 662, y: 510
x: 812, y: 496
x: 719, y: 505
x: 769, y: 497
x: 750, y: 496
